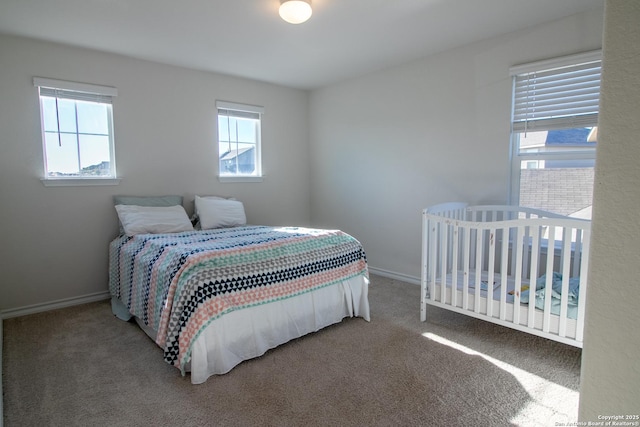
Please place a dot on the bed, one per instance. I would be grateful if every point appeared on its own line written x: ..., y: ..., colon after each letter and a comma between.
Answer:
x: 518, y: 267
x: 221, y: 292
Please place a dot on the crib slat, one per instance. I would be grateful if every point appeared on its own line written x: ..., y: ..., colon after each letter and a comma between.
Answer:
x: 454, y: 266
x: 444, y: 241
x: 526, y: 250
x: 549, y: 279
x: 533, y: 275
x: 491, y: 270
x: 518, y: 249
x: 465, y: 278
x: 577, y: 249
x: 432, y: 262
x: 504, y: 268
x: 513, y: 252
x: 478, y: 271
x: 473, y: 234
x: 566, y: 273
x: 582, y: 292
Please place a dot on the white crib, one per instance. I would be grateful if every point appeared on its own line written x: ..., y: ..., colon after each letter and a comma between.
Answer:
x: 494, y: 263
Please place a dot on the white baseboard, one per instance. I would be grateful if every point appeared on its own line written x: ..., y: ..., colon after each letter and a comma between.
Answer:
x: 54, y: 305
x: 396, y: 276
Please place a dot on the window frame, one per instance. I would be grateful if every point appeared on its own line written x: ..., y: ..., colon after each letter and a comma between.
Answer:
x: 75, y: 91
x: 581, y: 153
x: 257, y: 176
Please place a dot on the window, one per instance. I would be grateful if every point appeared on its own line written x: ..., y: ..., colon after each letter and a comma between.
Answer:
x: 77, y: 130
x: 239, y: 137
x: 554, y: 133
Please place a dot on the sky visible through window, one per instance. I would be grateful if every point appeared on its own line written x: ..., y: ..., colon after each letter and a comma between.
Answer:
x: 231, y: 129
x: 76, y: 135
x: 237, y: 138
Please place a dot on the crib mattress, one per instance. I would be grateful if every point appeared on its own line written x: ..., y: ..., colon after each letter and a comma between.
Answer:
x: 502, y: 289
x: 495, y: 288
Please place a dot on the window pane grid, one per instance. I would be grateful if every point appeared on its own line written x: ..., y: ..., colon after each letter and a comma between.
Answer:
x: 238, y: 142
x: 77, y: 137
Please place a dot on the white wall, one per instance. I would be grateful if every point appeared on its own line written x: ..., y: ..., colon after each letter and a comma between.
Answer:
x: 610, y: 380
x: 54, y: 241
x: 387, y: 145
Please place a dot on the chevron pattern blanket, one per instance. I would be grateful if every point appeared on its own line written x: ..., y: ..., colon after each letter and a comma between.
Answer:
x: 179, y: 283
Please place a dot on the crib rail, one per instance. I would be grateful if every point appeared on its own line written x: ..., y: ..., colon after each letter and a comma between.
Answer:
x: 519, y: 267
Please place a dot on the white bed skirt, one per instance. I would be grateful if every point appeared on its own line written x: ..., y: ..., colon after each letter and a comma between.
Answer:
x: 248, y: 333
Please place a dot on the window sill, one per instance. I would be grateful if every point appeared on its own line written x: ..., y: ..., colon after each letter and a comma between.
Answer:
x: 78, y: 182
x: 240, y: 178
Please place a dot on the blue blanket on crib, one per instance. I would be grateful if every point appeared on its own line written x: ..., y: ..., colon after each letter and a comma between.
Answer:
x: 556, y: 292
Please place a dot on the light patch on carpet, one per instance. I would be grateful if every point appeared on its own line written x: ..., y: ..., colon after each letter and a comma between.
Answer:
x: 545, y: 394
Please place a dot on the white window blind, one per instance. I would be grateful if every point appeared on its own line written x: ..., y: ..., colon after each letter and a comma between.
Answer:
x: 237, y: 108
x: 78, y: 96
x: 241, y: 114
x: 553, y: 95
x: 74, y: 90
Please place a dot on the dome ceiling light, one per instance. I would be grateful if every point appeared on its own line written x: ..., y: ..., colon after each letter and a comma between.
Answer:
x: 295, y: 11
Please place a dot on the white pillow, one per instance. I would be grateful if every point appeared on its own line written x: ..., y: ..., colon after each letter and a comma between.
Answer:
x: 218, y: 213
x: 153, y: 219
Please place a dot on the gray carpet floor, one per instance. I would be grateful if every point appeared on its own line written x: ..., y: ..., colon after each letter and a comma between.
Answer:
x: 80, y: 366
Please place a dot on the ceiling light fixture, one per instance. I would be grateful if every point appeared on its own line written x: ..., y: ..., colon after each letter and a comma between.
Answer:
x: 295, y: 11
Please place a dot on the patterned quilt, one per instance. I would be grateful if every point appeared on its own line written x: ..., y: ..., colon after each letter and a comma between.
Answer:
x: 179, y: 283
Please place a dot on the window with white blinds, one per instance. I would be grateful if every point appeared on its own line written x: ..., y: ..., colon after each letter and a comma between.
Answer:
x: 554, y: 133
x: 557, y: 94
x: 77, y: 130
